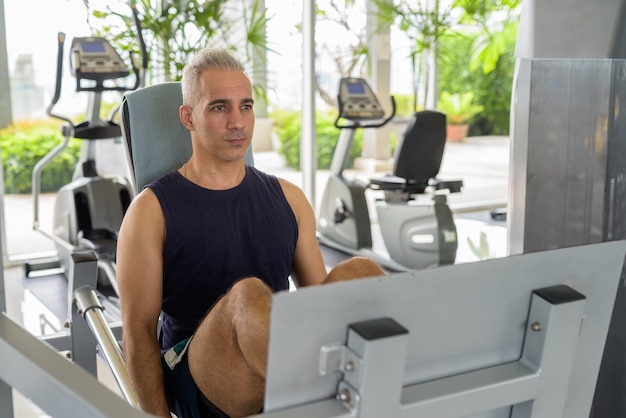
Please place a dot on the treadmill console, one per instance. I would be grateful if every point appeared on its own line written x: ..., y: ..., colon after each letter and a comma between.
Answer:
x: 94, y: 58
x: 357, y: 101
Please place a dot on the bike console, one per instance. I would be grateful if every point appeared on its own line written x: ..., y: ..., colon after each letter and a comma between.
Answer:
x: 94, y: 58
x: 358, y: 103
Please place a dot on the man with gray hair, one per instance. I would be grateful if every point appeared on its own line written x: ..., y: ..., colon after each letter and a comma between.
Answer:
x: 204, y: 248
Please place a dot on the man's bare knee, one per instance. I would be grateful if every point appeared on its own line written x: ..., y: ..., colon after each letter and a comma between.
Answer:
x: 354, y: 268
x: 248, y: 304
x: 246, y: 290
x: 228, y: 353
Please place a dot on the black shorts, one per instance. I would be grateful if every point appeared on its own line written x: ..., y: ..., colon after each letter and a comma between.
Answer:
x: 184, y: 397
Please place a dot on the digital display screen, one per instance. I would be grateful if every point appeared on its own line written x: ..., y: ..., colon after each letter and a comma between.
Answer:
x: 355, y: 88
x: 92, y: 47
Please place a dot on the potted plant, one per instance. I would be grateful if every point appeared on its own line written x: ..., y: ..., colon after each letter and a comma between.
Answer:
x: 459, y: 109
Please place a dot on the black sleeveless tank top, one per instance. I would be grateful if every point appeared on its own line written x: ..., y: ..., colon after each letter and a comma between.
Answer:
x: 216, y: 237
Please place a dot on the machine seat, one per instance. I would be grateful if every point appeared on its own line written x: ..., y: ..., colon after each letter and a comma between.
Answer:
x: 418, y: 160
x: 391, y: 182
x: 102, y: 130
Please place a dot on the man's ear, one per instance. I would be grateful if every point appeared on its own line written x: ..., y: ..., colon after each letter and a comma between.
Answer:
x: 186, y: 116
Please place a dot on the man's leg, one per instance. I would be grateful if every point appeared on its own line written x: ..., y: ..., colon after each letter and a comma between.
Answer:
x: 354, y: 268
x: 228, y: 353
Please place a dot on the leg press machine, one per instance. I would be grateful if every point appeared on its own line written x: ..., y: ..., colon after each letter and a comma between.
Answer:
x: 520, y: 336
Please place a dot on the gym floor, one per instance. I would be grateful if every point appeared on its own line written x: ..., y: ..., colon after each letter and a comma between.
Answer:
x: 481, y: 162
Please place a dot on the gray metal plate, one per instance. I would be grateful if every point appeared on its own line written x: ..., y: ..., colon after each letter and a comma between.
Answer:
x: 460, y: 318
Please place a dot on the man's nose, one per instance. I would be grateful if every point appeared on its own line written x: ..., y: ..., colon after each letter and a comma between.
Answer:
x: 236, y: 120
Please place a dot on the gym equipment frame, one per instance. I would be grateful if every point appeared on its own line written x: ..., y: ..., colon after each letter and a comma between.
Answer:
x: 521, y: 336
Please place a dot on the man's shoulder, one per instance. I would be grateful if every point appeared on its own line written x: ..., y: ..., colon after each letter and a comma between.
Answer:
x: 256, y: 172
x: 166, y: 181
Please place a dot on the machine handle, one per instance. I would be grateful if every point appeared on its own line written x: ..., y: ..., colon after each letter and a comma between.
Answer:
x: 136, y: 71
x: 57, y: 88
x: 90, y: 308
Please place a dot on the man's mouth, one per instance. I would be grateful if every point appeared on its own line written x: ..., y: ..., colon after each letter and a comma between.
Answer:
x: 236, y: 141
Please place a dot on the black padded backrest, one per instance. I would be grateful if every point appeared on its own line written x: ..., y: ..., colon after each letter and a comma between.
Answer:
x: 419, y: 155
x: 156, y: 141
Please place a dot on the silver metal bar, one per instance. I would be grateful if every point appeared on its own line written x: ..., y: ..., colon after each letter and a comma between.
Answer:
x: 91, y: 309
x: 6, y: 394
x: 308, y: 158
x: 36, y: 177
x: 59, y: 387
x: 342, y: 151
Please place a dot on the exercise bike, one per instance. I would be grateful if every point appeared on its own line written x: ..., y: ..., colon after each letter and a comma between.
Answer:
x: 88, y: 211
x: 415, y: 221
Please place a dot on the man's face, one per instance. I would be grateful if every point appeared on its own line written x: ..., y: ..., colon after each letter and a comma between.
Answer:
x: 223, y: 119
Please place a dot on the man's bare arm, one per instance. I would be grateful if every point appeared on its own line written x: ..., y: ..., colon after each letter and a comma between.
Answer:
x: 308, y: 268
x: 139, y: 274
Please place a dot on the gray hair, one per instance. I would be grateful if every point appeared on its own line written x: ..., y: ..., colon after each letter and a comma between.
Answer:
x: 206, y: 59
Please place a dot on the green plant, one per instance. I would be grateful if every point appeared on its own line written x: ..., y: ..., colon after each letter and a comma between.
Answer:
x: 482, y: 250
x: 446, y: 31
x: 288, y: 126
x: 350, y: 55
x: 423, y: 23
x: 23, y: 144
x: 174, y: 29
x: 459, y: 107
x: 491, y: 90
x: 404, y: 105
x: 497, y: 21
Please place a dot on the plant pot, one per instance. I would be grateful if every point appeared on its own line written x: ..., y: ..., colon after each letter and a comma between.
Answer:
x: 456, y: 133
